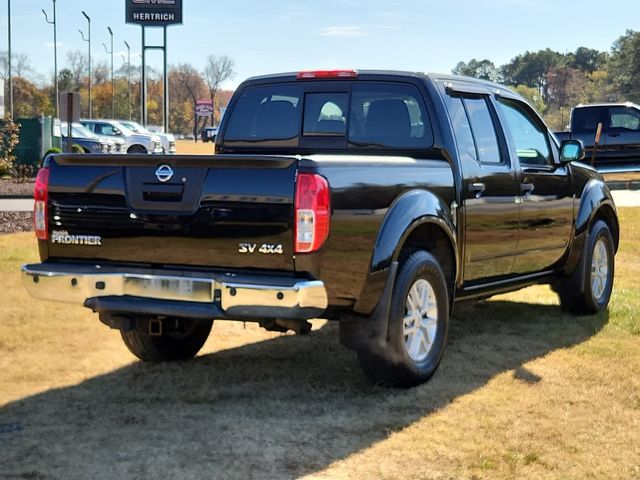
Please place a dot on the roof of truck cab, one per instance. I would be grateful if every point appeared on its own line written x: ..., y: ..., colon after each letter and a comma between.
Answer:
x: 608, y: 104
x: 390, y: 74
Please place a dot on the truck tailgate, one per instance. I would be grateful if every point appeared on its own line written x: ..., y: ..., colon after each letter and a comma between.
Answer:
x: 210, y: 210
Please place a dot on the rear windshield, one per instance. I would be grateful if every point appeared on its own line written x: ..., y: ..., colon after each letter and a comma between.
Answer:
x: 363, y: 116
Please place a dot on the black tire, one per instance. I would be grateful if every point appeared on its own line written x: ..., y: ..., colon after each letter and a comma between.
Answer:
x: 395, y: 367
x: 577, y: 292
x: 137, y: 149
x: 177, y: 345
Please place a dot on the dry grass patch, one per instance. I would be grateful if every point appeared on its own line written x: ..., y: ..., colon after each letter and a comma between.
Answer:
x: 189, y: 147
x: 524, y: 391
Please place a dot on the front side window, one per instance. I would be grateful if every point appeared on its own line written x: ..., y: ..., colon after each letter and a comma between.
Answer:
x: 388, y: 116
x: 105, y: 129
x: 530, y: 139
x: 624, y: 118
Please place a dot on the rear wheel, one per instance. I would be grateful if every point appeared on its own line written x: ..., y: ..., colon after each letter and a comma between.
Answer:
x: 417, y: 328
x: 589, y: 291
x: 179, y: 339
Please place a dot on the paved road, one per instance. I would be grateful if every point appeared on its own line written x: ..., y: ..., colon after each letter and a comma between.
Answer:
x: 19, y: 205
x: 623, y: 198
x: 626, y: 198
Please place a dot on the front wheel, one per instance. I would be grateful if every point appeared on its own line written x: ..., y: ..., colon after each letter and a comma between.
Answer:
x: 137, y: 149
x: 588, y: 291
x: 417, y: 328
x: 184, y: 339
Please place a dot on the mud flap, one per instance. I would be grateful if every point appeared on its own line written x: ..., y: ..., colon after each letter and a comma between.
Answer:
x: 370, y: 333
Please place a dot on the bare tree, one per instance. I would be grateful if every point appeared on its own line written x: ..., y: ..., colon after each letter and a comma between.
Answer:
x: 77, y: 63
x: 187, y: 77
x: 20, y: 65
x: 217, y: 71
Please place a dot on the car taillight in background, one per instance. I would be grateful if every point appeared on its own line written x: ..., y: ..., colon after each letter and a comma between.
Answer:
x: 312, y: 212
x: 41, y: 196
x: 327, y: 74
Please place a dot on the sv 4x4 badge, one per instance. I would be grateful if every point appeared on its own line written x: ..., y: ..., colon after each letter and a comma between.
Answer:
x: 265, y: 248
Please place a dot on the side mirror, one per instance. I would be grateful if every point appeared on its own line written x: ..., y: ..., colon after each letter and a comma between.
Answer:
x: 571, y: 150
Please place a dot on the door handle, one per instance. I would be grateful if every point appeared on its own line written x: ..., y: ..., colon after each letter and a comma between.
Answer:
x: 614, y: 135
x: 477, y: 188
x: 526, y: 188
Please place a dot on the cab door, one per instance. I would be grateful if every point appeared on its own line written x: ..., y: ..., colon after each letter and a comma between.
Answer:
x: 490, y: 189
x: 546, y: 197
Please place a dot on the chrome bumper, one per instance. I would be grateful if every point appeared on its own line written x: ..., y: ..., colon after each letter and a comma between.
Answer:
x: 234, y: 296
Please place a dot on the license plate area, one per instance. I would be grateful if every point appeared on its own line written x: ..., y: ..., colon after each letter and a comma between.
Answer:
x: 169, y: 288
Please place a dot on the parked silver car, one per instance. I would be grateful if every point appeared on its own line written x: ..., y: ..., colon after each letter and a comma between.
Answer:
x: 133, y: 142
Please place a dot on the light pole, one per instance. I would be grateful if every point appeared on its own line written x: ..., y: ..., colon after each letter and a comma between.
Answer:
x: 55, y: 52
x: 88, y: 40
x: 141, y: 89
x: 9, y: 59
x: 113, y: 97
x: 129, y: 74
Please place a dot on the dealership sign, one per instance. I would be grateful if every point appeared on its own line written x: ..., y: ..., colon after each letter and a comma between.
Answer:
x: 154, y: 13
x: 204, y: 108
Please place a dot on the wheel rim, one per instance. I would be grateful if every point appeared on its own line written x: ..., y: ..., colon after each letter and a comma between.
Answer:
x: 420, y: 323
x: 599, y: 270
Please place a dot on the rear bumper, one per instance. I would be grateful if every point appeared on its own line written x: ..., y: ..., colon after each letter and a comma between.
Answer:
x: 115, y: 289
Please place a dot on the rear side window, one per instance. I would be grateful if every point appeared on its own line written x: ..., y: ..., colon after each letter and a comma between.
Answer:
x: 388, y: 115
x: 483, y: 130
x: 266, y: 113
x: 625, y: 118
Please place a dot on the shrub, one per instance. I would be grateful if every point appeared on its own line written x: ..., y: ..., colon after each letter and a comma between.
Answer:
x: 51, y: 151
x: 77, y: 148
x: 9, y: 135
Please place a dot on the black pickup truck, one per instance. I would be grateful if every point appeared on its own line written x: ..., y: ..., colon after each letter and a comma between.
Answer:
x: 619, y: 143
x: 376, y: 199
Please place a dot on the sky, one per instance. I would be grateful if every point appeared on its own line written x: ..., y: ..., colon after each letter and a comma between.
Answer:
x: 268, y: 36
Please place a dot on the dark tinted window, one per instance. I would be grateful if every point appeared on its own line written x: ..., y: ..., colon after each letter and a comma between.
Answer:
x: 462, y: 129
x: 624, y: 117
x: 325, y: 114
x: 266, y: 113
x: 388, y: 115
x: 585, y: 120
x: 483, y: 130
x: 530, y: 138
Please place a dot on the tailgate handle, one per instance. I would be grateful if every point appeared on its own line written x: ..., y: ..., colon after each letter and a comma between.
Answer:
x: 153, y: 192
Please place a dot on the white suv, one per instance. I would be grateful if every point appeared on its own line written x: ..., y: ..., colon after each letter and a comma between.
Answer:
x: 134, y: 142
x: 168, y: 140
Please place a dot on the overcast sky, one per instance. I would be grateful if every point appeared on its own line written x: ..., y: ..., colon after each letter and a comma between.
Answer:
x: 267, y: 36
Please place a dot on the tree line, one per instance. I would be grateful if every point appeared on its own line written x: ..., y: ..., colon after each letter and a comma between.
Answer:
x: 554, y: 82
x: 34, y: 95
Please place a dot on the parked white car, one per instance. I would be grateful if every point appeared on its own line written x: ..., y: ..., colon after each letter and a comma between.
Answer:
x: 168, y: 139
x: 133, y: 142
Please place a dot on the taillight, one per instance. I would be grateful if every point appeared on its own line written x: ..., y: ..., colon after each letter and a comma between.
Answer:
x: 327, y: 74
x: 312, y: 212
x: 41, y: 195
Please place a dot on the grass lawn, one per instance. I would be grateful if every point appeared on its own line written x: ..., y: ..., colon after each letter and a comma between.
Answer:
x: 524, y: 391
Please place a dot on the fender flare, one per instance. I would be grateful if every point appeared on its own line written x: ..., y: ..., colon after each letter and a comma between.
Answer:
x: 595, y: 196
x: 408, y: 212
